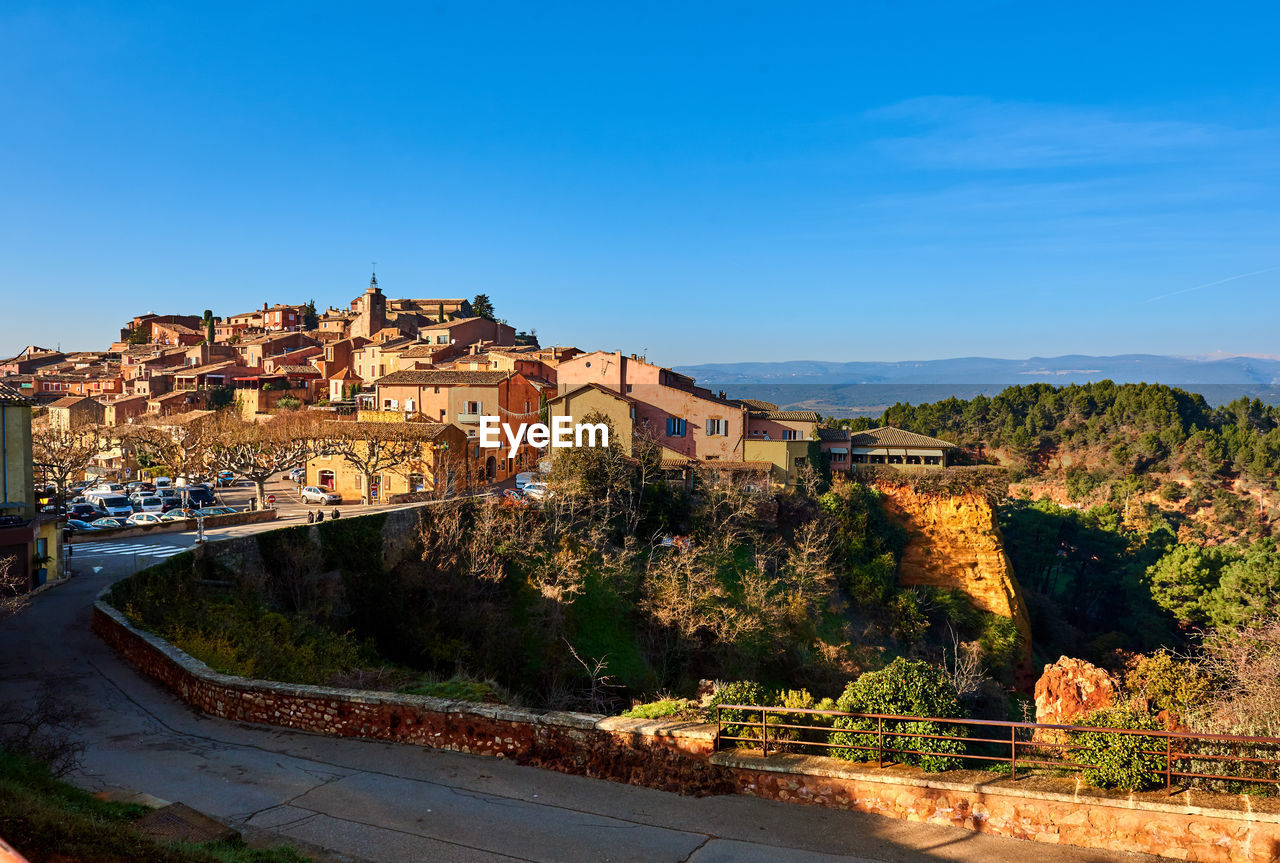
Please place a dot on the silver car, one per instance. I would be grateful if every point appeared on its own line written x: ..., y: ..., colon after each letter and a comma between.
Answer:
x: 314, y: 494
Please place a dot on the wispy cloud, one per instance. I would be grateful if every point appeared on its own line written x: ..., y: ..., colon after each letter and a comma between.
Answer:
x: 1213, y: 284
x: 970, y: 133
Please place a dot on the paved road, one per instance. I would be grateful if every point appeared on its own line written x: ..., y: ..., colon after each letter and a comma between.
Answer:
x: 384, y: 802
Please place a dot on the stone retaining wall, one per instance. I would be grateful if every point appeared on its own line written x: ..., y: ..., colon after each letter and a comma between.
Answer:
x: 672, y: 756
x: 1038, y: 809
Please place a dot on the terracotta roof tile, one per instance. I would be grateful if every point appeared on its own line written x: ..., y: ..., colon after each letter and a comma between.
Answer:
x: 442, y: 377
x: 890, y: 436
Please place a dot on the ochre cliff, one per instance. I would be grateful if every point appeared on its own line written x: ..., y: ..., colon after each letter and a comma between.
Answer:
x: 953, y: 541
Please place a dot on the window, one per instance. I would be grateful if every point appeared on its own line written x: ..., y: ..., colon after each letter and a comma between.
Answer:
x: 718, y: 428
x: 800, y: 461
x: 789, y: 434
x: 408, y: 405
x: 675, y: 427
x: 628, y: 387
x: 472, y: 408
x: 390, y: 404
x: 325, y: 479
x: 633, y: 411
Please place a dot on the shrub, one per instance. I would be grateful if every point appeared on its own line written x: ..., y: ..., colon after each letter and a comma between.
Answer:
x: 744, y: 692
x: 658, y: 709
x: 907, y: 687
x: 1122, y: 761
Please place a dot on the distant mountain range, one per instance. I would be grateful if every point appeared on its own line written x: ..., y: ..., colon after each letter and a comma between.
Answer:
x: 842, y: 389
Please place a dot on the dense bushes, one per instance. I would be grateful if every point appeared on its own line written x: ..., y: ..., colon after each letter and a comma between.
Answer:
x: 1127, y: 761
x: 905, y: 688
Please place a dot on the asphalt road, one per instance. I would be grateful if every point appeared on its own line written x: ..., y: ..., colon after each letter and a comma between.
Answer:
x: 376, y: 801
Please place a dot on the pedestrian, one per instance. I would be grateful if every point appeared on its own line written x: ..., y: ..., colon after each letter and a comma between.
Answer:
x: 311, y: 517
x: 336, y: 514
x: 319, y: 515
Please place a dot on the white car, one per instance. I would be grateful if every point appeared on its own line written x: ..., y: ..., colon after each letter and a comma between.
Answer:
x: 314, y: 494
x: 139, y: 519
x: 523, y: 479
x: 146, y: 502
x: 536, y: 490
x: 298, y: 474
x: 162, y: 482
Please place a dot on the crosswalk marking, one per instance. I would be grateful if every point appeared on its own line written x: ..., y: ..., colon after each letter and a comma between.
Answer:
x: 140, y: 549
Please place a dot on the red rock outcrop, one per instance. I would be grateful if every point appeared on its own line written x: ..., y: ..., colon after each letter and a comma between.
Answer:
x: 1071, y: 688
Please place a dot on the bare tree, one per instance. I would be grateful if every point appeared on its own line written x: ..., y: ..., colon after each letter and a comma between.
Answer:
x: 258, y: 451
x: 13, y: 587
x: 183, y: 451
x: 60, y: 455
x: 1245, y: 666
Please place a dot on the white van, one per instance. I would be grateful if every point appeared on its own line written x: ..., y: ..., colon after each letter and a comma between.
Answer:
x: 115, y: 505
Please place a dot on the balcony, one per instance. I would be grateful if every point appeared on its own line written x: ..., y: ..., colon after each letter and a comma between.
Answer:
x: 469, y: 419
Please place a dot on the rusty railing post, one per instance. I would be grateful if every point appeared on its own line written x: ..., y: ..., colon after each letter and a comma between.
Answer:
x: 1168, y: 766
x: 719, y: 728
x: 1013, y: 753
x: 880, y: 742
x: 764, y: 734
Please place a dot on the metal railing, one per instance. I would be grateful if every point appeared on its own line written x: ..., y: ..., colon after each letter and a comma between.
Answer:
x: 1182, y: 756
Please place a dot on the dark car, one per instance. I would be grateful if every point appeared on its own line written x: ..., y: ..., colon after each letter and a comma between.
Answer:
x: 197, y: 496
x: 76, y: 525
x: 84, y: 511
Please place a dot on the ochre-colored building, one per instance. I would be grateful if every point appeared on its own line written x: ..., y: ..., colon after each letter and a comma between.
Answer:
x: 442, y: 464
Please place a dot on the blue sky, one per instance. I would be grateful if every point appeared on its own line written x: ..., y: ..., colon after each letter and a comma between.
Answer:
x: 708, y: 182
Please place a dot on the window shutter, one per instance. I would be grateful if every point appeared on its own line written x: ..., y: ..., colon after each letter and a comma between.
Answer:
x: 711, y: 427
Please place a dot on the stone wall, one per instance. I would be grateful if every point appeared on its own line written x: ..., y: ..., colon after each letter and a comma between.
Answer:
x: 1037, y: 809
x: 672, y: 756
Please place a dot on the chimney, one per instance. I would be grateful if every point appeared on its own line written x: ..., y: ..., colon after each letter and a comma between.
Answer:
x: 264, y: 307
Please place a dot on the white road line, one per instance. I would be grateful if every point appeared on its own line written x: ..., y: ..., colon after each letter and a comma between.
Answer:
x: 127, y: 548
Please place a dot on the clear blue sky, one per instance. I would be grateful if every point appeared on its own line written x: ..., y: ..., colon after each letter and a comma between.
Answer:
x: 710, y: 182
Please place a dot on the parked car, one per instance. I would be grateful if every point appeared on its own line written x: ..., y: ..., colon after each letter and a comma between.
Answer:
x: 106, y: 488
x: 210, y: 511
x: 314, y: 494
x: 111, y: 504
x: 536, y: 491
x: 107, y: 523
x: 298, y: 474
x: 523, y: 479
x: 162, y: 482
x: 149, y: 503
x: 141, y: 519
x: 139, y: 486
x: 76, y: 525
x: 84, y: 511
x: 225, y: 478
x: 178, y: 514
x: 196, y: 496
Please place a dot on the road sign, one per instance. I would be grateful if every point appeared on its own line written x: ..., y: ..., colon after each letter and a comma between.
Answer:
x: 271, y: 498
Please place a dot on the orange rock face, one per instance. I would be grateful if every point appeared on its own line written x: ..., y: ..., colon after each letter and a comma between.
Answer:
x: 953, y: 541
x: 1069, y: 689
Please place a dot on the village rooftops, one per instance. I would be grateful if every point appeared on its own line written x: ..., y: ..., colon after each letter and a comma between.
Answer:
x: 442, y: 377
x: 297, y: 370
x: 69, y: 401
